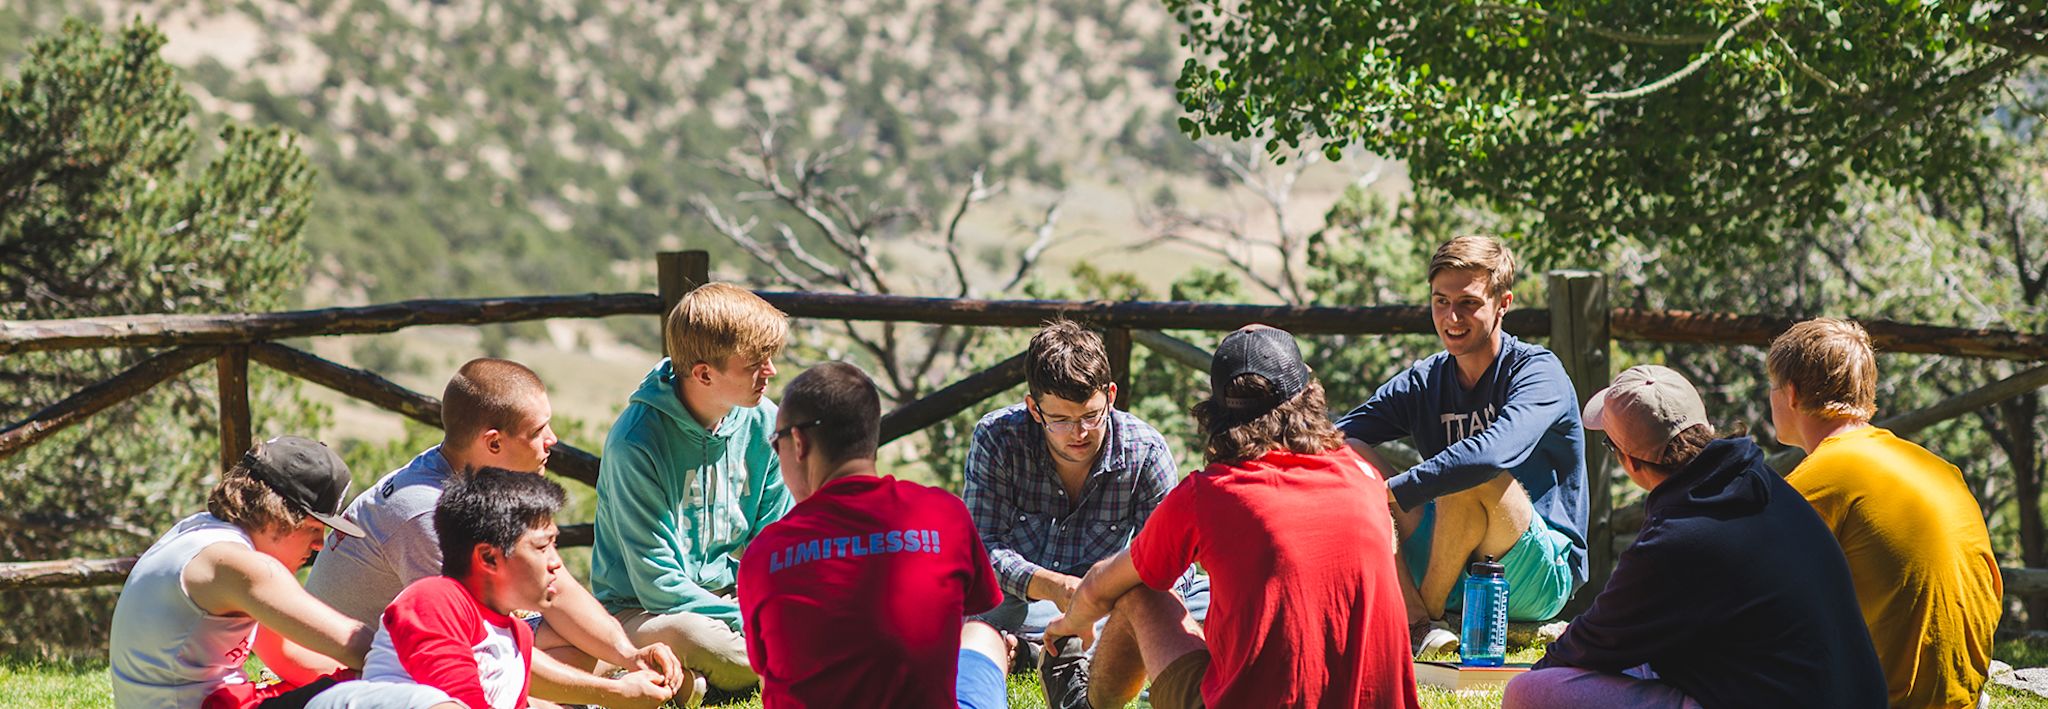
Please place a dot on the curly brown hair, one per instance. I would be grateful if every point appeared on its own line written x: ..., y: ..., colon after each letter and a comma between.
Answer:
x: 1301, y: 425
x: 244, y: 501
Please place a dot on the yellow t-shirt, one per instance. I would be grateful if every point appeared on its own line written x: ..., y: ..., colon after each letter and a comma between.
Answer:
x: 1921, y: 560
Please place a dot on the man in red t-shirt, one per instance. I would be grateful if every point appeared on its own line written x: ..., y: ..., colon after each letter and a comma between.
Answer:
x: 1305, y: 610
x: 856, y: 596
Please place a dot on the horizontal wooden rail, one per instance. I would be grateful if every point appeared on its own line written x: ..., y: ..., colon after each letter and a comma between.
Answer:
x: 1887, y: 336
x: 1137, y: 315
x: 1627, y: 323
x: 575, y: 535
x: 96, y: 398
x: 953, y: 399
x: 65, y: 573
x: 159, y: 330
x: 565, y: 460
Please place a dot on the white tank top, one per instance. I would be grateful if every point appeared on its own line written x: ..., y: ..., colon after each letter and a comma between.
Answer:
x: 166, y: 651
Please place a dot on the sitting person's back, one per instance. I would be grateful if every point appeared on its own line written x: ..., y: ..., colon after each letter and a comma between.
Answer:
x: 1734, y: 594
x: 1296, y: 605
x: 856, y: 596
x: 1291, y: 525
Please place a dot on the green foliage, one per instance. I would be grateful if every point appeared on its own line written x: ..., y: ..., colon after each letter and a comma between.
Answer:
x: 103, y: 212
x: 1690, y: 125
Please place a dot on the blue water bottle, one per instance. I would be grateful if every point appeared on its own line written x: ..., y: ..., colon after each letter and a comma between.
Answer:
x: 1484, y: 642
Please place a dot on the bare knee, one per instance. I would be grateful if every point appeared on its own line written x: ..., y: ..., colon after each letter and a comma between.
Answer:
x: 980, y: 637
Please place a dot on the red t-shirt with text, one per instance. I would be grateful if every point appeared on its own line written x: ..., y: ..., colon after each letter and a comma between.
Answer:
x: 1304, y: 607
x: 857, y: 595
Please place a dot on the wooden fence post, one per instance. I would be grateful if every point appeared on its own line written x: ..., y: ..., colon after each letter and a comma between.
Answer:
x: 233, y: 368
x: 676, y: 273
x: 1117, y: 342
x: 1579, y: 337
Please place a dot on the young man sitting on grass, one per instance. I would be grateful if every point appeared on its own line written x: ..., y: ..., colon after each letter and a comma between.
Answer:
x: 1057, y: 483
x: 1293, y: 529
x: 688, y: 479
x: 1504, y: 474
x: 1733, y: 594
x: 189, y: 609
x: 495, y: 414
x: 450, y: 641
x: 856, y: 597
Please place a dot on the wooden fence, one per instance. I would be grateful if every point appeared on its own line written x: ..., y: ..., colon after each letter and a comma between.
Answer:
x: 1578, y: 323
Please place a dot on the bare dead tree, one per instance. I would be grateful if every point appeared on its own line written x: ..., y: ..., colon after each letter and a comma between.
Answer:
x: 836, y: 241
x: 1270, y: 256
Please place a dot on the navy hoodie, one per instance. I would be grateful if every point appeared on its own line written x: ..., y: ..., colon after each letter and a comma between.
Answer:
x: 1734, y: 593
x: 1522, y: 417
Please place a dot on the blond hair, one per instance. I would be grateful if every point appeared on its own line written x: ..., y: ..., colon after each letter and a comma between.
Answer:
x: 1831, y: 367
x: 1484, y: 254
x: 718, y: 321
x: 489, y: 393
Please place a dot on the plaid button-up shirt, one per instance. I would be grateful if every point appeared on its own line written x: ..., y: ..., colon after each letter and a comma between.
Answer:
x: 1024, y: 516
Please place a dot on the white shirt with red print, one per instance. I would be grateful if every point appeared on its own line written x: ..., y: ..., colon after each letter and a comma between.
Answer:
x: 435, y: 633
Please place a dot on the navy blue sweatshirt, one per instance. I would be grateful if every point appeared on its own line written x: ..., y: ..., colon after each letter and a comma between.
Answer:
x: 1522, y: 417
x: 1735, y: 593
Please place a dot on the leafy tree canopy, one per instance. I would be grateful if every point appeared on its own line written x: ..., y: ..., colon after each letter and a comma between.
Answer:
x: 1703, y: 124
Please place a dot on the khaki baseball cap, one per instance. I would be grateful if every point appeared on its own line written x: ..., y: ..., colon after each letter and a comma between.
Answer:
x: 1644, y: 409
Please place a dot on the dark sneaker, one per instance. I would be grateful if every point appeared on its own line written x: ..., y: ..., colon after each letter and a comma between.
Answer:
x: 1065, y: 675
x: 1026, y: 657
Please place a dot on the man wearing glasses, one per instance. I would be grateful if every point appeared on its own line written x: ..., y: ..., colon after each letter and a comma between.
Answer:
x: 1057, y: 483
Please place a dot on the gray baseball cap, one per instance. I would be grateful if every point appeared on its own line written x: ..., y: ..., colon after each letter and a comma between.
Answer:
x: 308, y: 475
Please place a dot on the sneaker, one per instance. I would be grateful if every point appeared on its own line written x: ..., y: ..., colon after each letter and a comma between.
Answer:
x: 698, y: 687
x: 1026, y: 657
x: 1065, y: 675
x: 1425, y: 638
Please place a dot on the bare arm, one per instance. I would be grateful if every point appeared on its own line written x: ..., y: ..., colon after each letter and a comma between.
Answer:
x: 293, y: 663
x: 582, y: 621
x: 1049, y: 585
x: 562, y: 683
x: 227, y: 579
x: 1106, y: 582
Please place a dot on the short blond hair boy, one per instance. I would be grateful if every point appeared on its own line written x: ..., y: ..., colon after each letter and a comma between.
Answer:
x: 719, y: 321
x: 690, y: 476
x: 1919, y: 554
x: 1830, y: 364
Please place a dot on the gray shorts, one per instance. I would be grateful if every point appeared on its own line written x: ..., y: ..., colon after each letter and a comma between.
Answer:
x: 361, y: 694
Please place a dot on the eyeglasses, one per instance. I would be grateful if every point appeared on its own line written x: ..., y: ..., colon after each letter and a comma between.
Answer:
x: 775, y: 439
x: 1090, y: 422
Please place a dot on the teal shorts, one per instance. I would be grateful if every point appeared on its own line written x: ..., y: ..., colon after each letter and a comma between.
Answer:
x: 1539, y: 568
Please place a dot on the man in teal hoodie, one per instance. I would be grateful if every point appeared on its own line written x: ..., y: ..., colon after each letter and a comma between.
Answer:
x: 689, y: 477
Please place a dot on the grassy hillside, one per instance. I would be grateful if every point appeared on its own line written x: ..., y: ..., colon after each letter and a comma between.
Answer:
x: 470, y: 147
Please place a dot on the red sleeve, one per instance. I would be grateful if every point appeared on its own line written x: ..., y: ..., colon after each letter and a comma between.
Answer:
x: 752, y: 582
x: 434, y: 628
x: 1169, y: 542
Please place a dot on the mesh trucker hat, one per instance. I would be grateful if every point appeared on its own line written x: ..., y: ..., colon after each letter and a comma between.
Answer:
x: 1644, y: 409
x: 1257, y: 349
x: 308, y: 475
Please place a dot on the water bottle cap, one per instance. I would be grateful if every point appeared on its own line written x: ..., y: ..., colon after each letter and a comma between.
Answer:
x: 1489, y: 567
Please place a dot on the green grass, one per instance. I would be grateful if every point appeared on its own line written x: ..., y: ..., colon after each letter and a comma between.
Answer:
x: 35, y: 683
